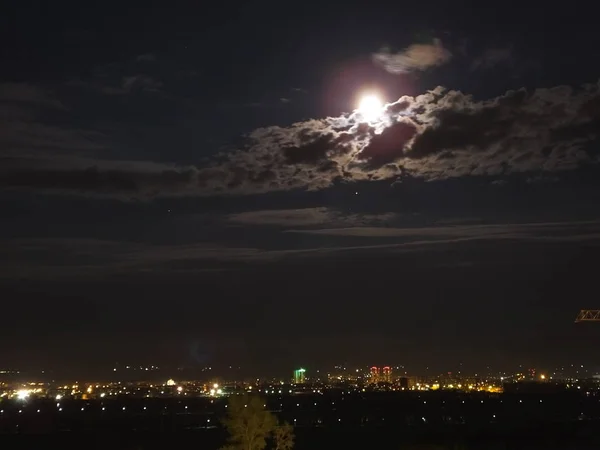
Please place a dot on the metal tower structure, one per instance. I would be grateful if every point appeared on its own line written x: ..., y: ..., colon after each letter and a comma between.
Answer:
x: 588, y: 315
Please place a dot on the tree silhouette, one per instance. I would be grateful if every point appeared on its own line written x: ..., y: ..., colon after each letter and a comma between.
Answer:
x: 250, y: 425
x: 283, y: 436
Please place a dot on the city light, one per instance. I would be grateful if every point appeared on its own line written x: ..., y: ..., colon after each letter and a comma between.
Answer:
x: 23, y: 394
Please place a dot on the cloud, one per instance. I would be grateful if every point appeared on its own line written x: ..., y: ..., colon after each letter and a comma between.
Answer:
x: 53, y: 258
x: 286, y: 217
x: 123, y: 179
x: 491, y: 58
x: 23, y: 133
x: 438, y: 135
x: 416, y: 57
x: 126, y: 85
x: 571, y: 231
x: 118, y: 78
x: 306, y: 217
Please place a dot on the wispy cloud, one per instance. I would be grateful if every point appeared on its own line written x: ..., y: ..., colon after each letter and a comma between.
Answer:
x: 27, y: 135
x: 125, y: 85
x: 307, y: 217
x: 50, y: 258
x: 568, y: 231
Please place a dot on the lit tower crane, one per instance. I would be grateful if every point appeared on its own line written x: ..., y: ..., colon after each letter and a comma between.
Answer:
x: 588, y: 315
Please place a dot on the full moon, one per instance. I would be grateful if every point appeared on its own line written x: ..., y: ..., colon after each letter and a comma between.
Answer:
x: 370, y: 107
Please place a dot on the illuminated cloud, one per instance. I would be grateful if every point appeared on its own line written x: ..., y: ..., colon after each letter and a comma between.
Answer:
x: 417, y: 57
x: 438, y: 135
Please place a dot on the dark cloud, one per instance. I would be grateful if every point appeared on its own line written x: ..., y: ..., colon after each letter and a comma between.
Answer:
x: 416, y: 57
x: 438, y: 135
x: 310, y: 150
x: 389, y: 145
x: 122, y: 179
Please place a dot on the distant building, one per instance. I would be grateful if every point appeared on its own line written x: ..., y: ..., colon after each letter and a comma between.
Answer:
x: 374, y: 374
x: 405, y: 383
x: 299, y: 376
x: 386, y: 374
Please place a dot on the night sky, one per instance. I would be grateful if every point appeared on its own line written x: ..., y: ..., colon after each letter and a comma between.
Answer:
x: 192, y: 185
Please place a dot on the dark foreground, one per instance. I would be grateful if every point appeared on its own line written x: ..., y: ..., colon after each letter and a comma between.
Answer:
x: 580, y: 436
x: 356, y: 421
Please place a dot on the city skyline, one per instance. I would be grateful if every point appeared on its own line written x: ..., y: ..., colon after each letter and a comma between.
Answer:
x: 309, y: 374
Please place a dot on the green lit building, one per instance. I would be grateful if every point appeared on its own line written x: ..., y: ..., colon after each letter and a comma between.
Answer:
x: 299, y: 375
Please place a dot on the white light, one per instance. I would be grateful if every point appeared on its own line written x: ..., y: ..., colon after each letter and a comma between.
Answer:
x: 58, y: 397
x: 22, y: 394
x: 370, y: 108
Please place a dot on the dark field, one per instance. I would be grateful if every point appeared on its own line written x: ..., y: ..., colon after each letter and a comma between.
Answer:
x: 361, y: 421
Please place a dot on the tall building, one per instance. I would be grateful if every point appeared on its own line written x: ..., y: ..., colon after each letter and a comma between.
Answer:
x: 374, y: 371
x: 386, y: 374
x: 299, y: 376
